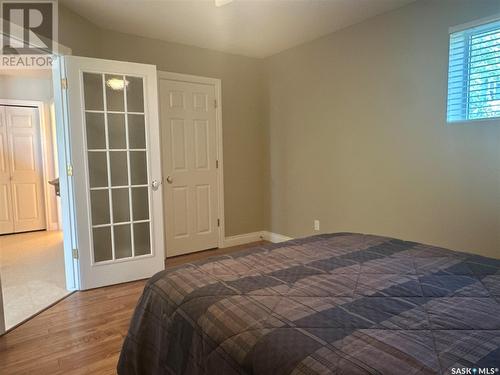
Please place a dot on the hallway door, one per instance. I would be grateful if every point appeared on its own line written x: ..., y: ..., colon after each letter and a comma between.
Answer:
x: 21, y: 175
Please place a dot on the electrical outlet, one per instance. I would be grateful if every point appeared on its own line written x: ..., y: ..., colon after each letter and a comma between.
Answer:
x: 316, y: 225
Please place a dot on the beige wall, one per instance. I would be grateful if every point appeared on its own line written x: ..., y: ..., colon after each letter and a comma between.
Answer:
x: 243, y: 116
x: 77, y: 33
x: 351, y: 128
x: 28, y: 87
x: 358, y: 137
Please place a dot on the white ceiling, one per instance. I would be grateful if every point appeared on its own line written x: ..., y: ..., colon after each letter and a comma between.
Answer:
x: 245, y: 27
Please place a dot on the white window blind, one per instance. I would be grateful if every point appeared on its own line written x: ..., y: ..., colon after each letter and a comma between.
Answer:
x: 474, y: 73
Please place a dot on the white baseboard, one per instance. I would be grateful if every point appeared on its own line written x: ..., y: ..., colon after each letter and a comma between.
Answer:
x: 242, y: 239
x: 275, y: 237
x: 53, y: 226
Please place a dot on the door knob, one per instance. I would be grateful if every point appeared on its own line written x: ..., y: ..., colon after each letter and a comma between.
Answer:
x: 155, y: 184
x: 170, y: 179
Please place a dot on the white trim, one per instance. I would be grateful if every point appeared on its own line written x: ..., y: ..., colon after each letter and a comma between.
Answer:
x: 481, y: 121
x: 53, y: 225
x: 50, y: 222
x: 218, y: 125
x: 171, y: 76
x: 2, y: 315
x: 241, y: 239
x: 471, y: 24
x: 55, y: 158
x: 67, y: 201
x: 276, y: 237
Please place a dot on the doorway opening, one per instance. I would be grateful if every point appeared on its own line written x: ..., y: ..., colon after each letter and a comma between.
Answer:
x: 108, y: 149
x: 32, y: 268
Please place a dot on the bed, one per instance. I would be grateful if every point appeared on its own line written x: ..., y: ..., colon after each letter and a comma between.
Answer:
x: 341, y: 303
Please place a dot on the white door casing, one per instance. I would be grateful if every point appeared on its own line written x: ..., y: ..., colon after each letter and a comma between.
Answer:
x: 2, y: 315
x: 6, y: 217
x: 192, y: 162
x: 110, y: 110
x: 24, y: 159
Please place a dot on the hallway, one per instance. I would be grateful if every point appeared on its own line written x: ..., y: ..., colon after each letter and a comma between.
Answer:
x: 32, y: 273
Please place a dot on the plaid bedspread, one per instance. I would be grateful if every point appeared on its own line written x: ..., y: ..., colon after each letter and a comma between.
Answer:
x: 340, y: 303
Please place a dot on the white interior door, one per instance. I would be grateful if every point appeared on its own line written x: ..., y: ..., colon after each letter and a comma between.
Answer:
x: 189, y: 142
x: 112, y: 115
x: 21, y: 164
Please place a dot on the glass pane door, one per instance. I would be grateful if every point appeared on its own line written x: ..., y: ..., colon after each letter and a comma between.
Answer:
x: 110, y: 133
x: 115, y: 131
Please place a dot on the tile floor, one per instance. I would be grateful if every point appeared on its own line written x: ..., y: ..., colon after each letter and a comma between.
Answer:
x: 32, y: 273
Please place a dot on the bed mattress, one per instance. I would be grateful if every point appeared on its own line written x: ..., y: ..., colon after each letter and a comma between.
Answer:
x: 341, y: 303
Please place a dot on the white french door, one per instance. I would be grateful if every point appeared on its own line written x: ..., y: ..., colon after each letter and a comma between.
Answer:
x: 113, y: 182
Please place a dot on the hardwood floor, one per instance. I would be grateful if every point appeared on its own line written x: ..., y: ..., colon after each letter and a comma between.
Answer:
x: 83, y: 333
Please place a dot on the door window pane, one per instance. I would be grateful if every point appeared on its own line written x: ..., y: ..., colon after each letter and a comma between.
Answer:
x: 115, y: 98
x: 141, y: 239
x: 121, y: 208
x: 96, y: 131
x: 138, y: 168
x: 102, y: 244
x: 118, y: 166
x: 123, y: 243
x: 98, y: 169
x: 115, y: 125
x: 135, y: 96
x: 116, y: 130
x: 140, y: 204
x: 136, y: 131
x: 99, y: 201
x: 92, y: 89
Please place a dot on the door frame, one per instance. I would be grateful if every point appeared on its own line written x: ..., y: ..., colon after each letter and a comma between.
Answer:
x: 44, y: 150
x: 67, y: 203
x: 217, y: 83
x: 2, y: 315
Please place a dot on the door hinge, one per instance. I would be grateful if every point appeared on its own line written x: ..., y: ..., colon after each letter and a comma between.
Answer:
x: 218, y: 222
x: 75, y: 253
x: 216, y: 164
x: 69, y: 170
x: 215, y: 103
x: 64, y: 83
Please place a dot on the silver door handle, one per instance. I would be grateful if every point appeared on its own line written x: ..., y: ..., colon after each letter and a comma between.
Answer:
x: 170, y: 179
x: 155, y: 184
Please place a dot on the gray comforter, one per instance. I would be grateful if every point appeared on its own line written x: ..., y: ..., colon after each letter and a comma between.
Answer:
x: 340, y: 303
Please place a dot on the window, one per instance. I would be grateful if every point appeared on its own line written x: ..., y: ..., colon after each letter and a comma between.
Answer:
x: 474, y: 72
